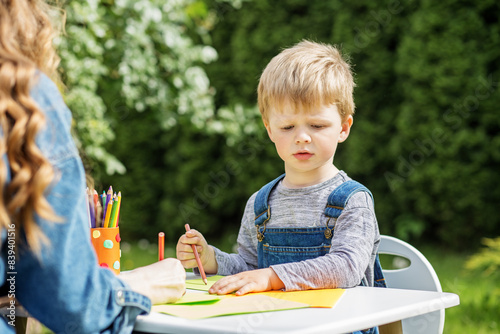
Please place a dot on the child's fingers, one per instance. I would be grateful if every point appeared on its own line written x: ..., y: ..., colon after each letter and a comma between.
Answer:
x: 187, y: 259
x: 188, y: 264
x: 188, y: 239
x: 226, y: 285
x: 193, y: 233
x: 192, y: 237
x: 188, y: 248
x: 244, y: 282
x: 246, y: 288
x: 186, y: 251
x: 185, y: 254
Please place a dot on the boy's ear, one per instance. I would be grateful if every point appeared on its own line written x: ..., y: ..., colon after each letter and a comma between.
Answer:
x: 269, y: 132
x: 346, y: 128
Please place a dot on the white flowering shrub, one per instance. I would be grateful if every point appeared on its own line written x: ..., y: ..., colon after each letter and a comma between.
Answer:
x: 145, y: 117
x: 135, y: 56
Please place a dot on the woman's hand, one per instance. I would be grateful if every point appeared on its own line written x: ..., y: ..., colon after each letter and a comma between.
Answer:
x: 248, y: 281
x: 163, y: 281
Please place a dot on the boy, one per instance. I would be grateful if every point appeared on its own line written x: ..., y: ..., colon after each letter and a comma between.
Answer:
x: 305, y: 96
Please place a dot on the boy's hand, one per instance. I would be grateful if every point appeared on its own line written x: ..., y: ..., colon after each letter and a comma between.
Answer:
x: 163, y: 281
x: 185, y: 253
x: 248, y: 281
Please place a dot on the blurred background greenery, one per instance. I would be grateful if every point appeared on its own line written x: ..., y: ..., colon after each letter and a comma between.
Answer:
x: 163, y: 95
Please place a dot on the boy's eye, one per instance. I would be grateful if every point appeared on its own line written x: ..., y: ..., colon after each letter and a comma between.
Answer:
x: 288, y: 127
x: 317, y: 126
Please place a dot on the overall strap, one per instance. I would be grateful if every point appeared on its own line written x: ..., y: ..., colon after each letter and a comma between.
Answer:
x: 337, y: 201
x: 260, y: 207
x: 340, y: 196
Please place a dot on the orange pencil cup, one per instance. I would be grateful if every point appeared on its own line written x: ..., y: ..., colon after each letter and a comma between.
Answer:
x: 106, y: 242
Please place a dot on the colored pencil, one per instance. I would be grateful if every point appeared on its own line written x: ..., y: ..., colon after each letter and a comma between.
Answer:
x: 109, y: 196
x: 114, y: 219
x: 161, y: 246
x: 98, y: 214
x: 108, y: 213
x: 103, y: 210
x: 104, y: 205
x: 96, y: 198
x: 197, y: 257
x: 90, y: 201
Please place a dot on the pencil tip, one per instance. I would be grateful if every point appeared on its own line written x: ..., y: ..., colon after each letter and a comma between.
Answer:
x: 205, y: 281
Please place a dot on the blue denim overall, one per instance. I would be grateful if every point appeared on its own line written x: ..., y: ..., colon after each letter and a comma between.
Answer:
x: 284, y: 245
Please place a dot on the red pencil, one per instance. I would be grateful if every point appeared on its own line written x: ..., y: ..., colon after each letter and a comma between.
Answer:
x: 161, y: 245
x: 197, y: 257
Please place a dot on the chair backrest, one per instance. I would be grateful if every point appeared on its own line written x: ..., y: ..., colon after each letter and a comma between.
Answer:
x: 419, y: 275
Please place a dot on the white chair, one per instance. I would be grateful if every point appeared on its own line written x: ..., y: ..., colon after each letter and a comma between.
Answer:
x: 419, y: 275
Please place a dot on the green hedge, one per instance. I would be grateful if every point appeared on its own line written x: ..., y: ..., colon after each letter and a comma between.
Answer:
x: 424, y: 138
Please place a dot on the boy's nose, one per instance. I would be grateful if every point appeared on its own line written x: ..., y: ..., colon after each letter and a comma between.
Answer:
x: 302, y: 137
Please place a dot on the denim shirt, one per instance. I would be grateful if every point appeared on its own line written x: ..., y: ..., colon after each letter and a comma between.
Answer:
x: 64, y: 288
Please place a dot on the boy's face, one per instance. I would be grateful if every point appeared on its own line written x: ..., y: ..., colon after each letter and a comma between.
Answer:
x: 307, y: 141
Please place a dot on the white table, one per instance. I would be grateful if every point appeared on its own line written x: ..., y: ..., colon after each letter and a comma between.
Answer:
x: 358, y: 308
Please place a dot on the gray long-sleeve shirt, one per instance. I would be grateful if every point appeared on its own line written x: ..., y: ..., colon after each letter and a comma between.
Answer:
x: 354, y: 243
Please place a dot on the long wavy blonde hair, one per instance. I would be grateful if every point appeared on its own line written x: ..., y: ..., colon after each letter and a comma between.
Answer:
x: 26, y: 34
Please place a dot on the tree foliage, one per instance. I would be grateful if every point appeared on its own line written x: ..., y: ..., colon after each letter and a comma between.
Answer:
x: 121, y: 57
x: 143, y: 107
x: 165, y: 92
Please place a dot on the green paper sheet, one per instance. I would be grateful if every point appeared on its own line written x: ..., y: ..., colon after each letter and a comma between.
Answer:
x: 198, y: 298
x: 229, y: 306
x: 197, y: 284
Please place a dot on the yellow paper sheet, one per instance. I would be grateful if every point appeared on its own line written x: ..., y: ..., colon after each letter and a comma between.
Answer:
x: 313, y: 298
x: 229, y: 306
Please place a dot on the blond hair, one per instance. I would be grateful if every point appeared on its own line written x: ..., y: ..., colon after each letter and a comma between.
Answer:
x: 307, y: 75
x: 26, y: 35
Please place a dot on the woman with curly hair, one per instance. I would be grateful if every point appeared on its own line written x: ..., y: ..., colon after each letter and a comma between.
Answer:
x: 46, y: 260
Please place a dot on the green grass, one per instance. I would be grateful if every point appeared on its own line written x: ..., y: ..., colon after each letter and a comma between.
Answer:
x: 141, y: 254
x: 479, y: 309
